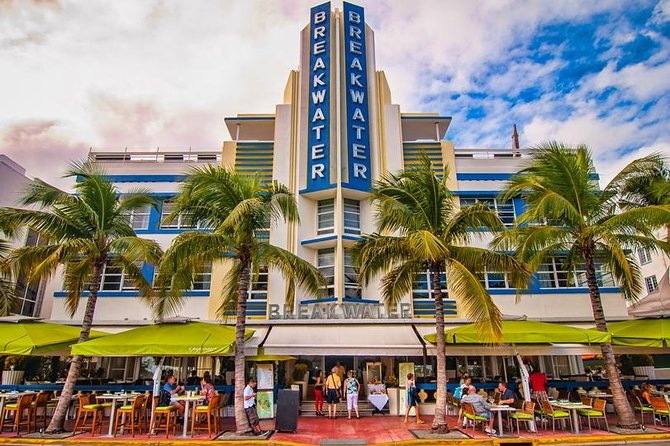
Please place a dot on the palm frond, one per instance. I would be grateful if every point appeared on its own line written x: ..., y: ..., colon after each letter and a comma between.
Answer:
x: 398, y: 282
x: 294, y: 269
x: 230, y: 291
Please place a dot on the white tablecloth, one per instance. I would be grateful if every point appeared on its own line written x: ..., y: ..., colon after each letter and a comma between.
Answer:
x: 379, y: 401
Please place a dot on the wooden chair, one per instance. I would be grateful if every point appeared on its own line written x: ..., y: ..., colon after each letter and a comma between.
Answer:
x: 469, y: 414
x: 88, y: 406
x: 210, y: 411
x: 41, y: 401
x: 133, y: 412
x: 552, y: 414
x: 660, y: 406
x: 585, y: 400
x: 526, y: 414
x: 17, y: 410
x: 598, y: 412
x: 163, y: 418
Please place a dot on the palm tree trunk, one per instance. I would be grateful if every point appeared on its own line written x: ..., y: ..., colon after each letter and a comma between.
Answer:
x: 58, y: 421
x: 440, y: 419
x: 241, y: 421
x: 625, y: 415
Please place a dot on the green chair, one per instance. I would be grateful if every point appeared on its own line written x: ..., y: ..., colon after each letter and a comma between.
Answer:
x: 526, y: 414
x: 469, y: 413
x: 88, y: 406
x: 660, y: 406
x: 598, y: 412
x: 551, y: 414
x: 163, y: 418
x: 637, y: 405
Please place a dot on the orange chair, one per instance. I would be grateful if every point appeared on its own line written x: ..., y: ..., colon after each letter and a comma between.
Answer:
x: 88, y: 406
x: 17, y: 409
x: 661, y: 408
x: 41, y: 401
x: 134, y: 412
x: 210, y: 411
x: 160, y: 414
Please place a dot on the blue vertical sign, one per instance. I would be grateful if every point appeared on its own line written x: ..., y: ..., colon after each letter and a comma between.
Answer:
x: 318, y: 140
x: 356, y: 87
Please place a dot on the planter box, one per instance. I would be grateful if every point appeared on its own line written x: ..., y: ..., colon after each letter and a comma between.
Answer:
x: 649, y: 371
x: 12, y: 377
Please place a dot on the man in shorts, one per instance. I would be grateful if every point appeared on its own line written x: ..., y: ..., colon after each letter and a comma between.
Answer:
x: 250, y: 407
x: 333, y: 389
x: 481, y: 407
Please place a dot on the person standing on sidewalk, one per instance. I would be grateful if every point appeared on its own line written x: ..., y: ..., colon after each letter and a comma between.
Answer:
x: 352, y: 387
x: 318, y: 394
x: 333, y: 392
x: 412, y: 398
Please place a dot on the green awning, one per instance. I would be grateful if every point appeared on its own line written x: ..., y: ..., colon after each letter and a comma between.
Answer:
x: 641, y: 332
x: 262, y: 357
x: 525, y: 332
x: 166, y: 339
x: 32, y: 337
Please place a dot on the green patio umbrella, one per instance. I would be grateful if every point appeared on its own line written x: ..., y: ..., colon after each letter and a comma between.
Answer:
x: 641, y: 332
x: 32, y: 337
x: 166, y: 339
x: 262, y: 357
x: 525, y: 332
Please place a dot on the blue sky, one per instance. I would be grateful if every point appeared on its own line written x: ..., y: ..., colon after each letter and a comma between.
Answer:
x: 151, y: 73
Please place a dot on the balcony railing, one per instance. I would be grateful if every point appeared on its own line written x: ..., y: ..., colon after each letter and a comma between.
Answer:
x: 188, y: 156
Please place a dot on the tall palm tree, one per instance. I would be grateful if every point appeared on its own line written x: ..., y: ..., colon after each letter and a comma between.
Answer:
x: 237, y: 208
x: 86, y: 232
x: 433, y: 233
x: 7, y: 296
x: 567, y: 214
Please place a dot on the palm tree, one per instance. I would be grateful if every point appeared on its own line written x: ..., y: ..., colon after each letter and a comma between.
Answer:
x: 236, y: 208
x: 567, y: 214
x: 7, y: 296
x: 86, y: 232
x: 434, y: 234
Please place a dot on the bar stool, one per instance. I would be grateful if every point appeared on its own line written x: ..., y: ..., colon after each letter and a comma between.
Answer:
x: 88, y: 406
x: 41, y: 401
x: 211, y: 410
x: 160, y: 414
x: 17, y: 409
x: 133, y: 411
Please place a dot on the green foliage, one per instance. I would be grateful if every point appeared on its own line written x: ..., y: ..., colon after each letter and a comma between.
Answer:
x: 299, y: 371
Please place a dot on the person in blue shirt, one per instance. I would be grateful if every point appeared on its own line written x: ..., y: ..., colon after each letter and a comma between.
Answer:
x: 171, y: 388
x: 506, y: 395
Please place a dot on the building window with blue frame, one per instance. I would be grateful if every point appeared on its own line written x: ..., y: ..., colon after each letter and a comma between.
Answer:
x: 352, y: 290
x: 139, y: 218
x: 494, y: 280
x: 326, y: 265
x: 422, y: 287
x: 259, y: 284
x: 504, y: 209
x: 181, y: 221
x: 352, y: 216
x: 202, y: 279
x: 325, y: 216
x: 552, y: 274
x: 114, y: 278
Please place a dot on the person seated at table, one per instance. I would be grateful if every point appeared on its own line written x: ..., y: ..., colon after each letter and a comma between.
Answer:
x: 646, y: 393
x: 463, y: 388
x: 481, y: 407
x: 208, y: 390
x: 169, y: 389
x: 194, y: 379
x: 506, y: 394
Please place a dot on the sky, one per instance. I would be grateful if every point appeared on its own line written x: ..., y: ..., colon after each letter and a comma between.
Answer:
x: 152, y: 73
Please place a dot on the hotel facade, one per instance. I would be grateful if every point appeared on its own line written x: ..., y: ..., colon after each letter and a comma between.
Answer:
x: 336, y: 131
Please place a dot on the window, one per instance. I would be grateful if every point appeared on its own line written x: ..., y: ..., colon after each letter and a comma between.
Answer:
x: 325, y: 217
x: 504, y: 209
x: 651, y: 283
x: 202, y: 280
x: 114, y: 279
x: 494, y: 280
x: 139, y: 218
x: 259, y: 284
x: 182, y: 221
x: 644, y: 255
x: 28, y: 296
x: 423, y: 285
x: 552, y: 275
x: 352, y: 216
x: 352, y: 289
x: 326, y: 265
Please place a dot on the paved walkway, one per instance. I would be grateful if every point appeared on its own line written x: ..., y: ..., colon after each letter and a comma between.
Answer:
x: 377, y: 429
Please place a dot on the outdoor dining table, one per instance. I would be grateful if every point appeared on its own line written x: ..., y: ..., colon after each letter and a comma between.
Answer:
x: 187, y: 403
x: 114, y: 397
x: 378, y: 400
x: 500, y: 409
x: 572, y: 407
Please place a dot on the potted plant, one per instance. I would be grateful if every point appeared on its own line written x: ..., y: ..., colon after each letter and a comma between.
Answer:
x: 301, y: 377
x: 13, y: 370
x: 643, y: 365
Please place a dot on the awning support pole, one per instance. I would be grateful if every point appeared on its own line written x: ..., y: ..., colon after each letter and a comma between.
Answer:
x: 526, y: 385
x: 423, y: 347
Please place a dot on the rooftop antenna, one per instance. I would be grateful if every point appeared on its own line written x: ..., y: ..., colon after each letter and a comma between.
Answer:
x: 516, y: 148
